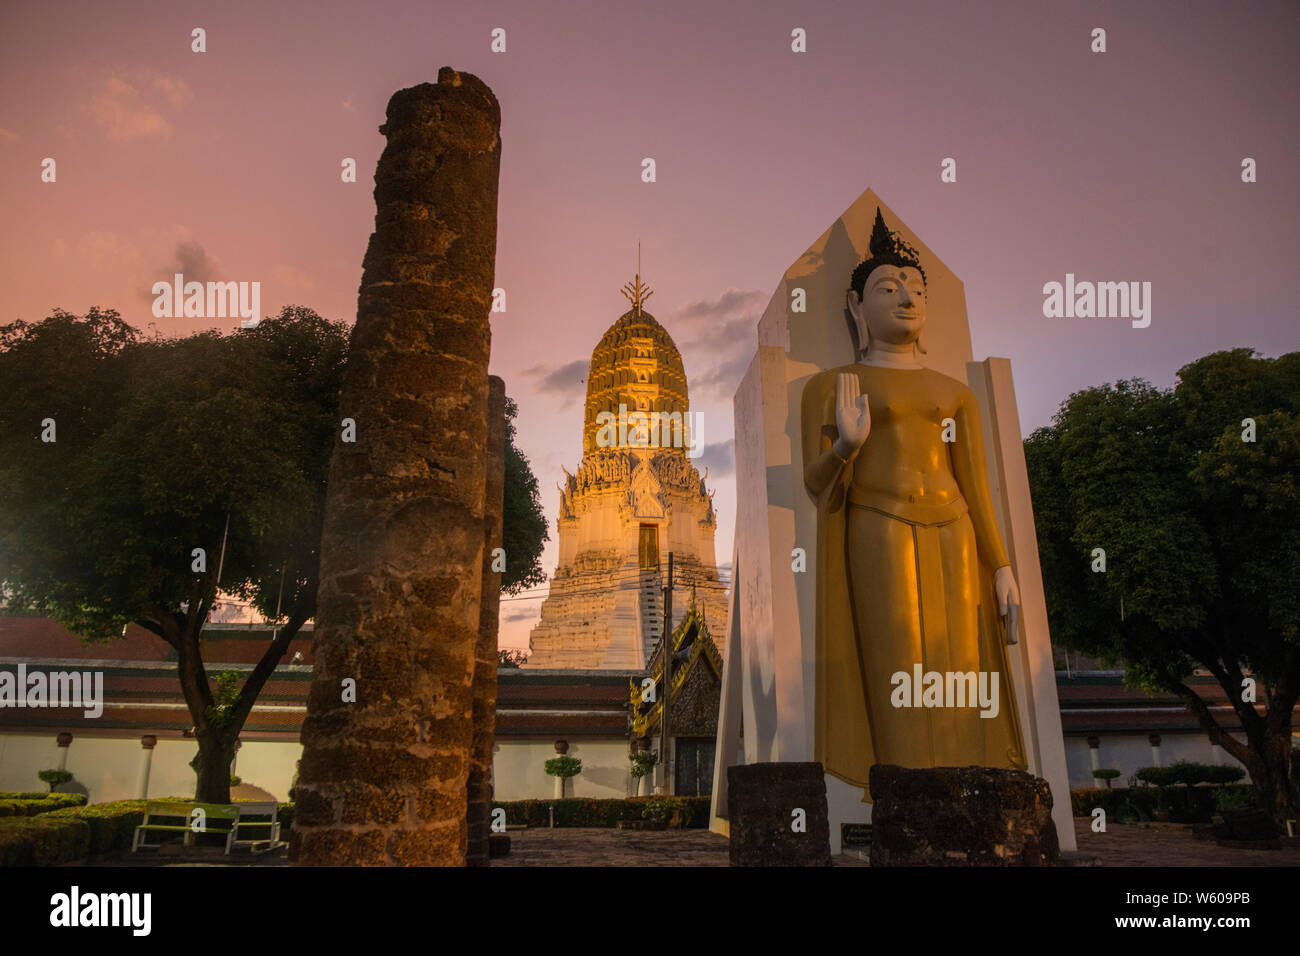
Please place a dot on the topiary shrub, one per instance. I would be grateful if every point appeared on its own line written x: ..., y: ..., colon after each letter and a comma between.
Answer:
x: 1224, y: 774
x: 1156, y: 776
x: 1106, y: 775
x: 1190, y: 773
x: 54, y: 777
x: 643, y: 762
x: 563, y: 766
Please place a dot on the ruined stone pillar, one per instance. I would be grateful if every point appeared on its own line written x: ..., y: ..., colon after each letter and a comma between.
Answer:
x: 386, y: 741
x: 486, y: 659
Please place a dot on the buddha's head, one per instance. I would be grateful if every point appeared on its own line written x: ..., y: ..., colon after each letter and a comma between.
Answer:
x: 886, y: 295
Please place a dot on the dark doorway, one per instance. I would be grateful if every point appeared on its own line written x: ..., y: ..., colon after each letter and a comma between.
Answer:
x: 694, y: 772
x: 649, y: 546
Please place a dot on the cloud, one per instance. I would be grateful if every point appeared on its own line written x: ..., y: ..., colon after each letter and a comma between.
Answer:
x: 720, y: 334
x: 347, y: 105
x: 729, y: 303
x: 521, y: 613
x: 292, y: 279
x: 103, y: 252
x: 566, y: 380
x: 191, y: 260
x: 175, y: 89
x: 8, y: 135
x: 719, y: 458
x: 126, y: 114
x: 721, y: 380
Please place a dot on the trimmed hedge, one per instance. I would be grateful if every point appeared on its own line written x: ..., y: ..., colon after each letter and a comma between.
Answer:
x: 40, y: 841
x: 590, y: 812
x: 30, y: 806
x: 74, y: 833
x: 110, y: 826
x: 1185, y: 804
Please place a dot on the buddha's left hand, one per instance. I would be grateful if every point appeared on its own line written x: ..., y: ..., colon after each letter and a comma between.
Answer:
x: 1004, y: 586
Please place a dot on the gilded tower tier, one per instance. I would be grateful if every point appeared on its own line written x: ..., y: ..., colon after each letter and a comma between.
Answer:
x: 635, y: 497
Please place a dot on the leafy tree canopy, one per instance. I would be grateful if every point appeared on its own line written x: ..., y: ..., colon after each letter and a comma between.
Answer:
x: 1192, y: 495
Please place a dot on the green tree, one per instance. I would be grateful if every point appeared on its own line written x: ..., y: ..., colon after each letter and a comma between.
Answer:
x: 508, y: 657
x: 523, y: 524
x: 1201, y: 532
x: 164, y: 446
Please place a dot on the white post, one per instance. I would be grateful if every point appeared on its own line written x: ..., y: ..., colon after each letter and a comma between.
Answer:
x: 561, y: 750
x: 64, y: 741
x: 1154, y: 740
x: 1094, y: 751
x: 147, y: 743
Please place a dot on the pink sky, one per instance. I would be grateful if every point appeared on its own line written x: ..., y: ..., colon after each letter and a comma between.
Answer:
x: 1116, y: 166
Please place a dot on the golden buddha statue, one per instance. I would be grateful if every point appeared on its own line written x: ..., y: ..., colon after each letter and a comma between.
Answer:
x: 912, y: 574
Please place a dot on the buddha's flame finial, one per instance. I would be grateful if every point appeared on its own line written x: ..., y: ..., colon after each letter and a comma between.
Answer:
x: 637, y: 293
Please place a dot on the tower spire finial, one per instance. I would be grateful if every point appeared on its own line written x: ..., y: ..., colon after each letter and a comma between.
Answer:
x: 637, y: 293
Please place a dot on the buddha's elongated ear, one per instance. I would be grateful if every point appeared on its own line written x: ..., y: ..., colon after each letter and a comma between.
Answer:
x: 919, y: 347
x: 852, y: 304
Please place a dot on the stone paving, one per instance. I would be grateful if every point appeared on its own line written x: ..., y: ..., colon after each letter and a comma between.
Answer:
x: 606, y: 846
x: 1155, y: 844
x: 1169, y: 844
x: 1150, y: 844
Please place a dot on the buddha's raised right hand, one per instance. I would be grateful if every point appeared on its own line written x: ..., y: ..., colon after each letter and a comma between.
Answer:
x: 852, y: 415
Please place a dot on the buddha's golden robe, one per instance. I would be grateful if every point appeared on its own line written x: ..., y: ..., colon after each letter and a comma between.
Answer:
x: 907, y: 547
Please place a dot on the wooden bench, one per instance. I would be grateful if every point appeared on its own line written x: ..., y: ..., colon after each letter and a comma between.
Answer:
x: 250, y: 822
x: 220, y: 819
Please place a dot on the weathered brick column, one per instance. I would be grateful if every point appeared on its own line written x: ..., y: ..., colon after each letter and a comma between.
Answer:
x: 486, y: 658
x: 383, y: 779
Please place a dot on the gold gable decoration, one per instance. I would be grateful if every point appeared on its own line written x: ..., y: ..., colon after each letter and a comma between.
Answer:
x: 693, y: 632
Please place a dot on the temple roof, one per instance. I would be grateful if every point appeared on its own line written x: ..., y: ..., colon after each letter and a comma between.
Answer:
x: 636, y: 364
x: 693, y: 648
